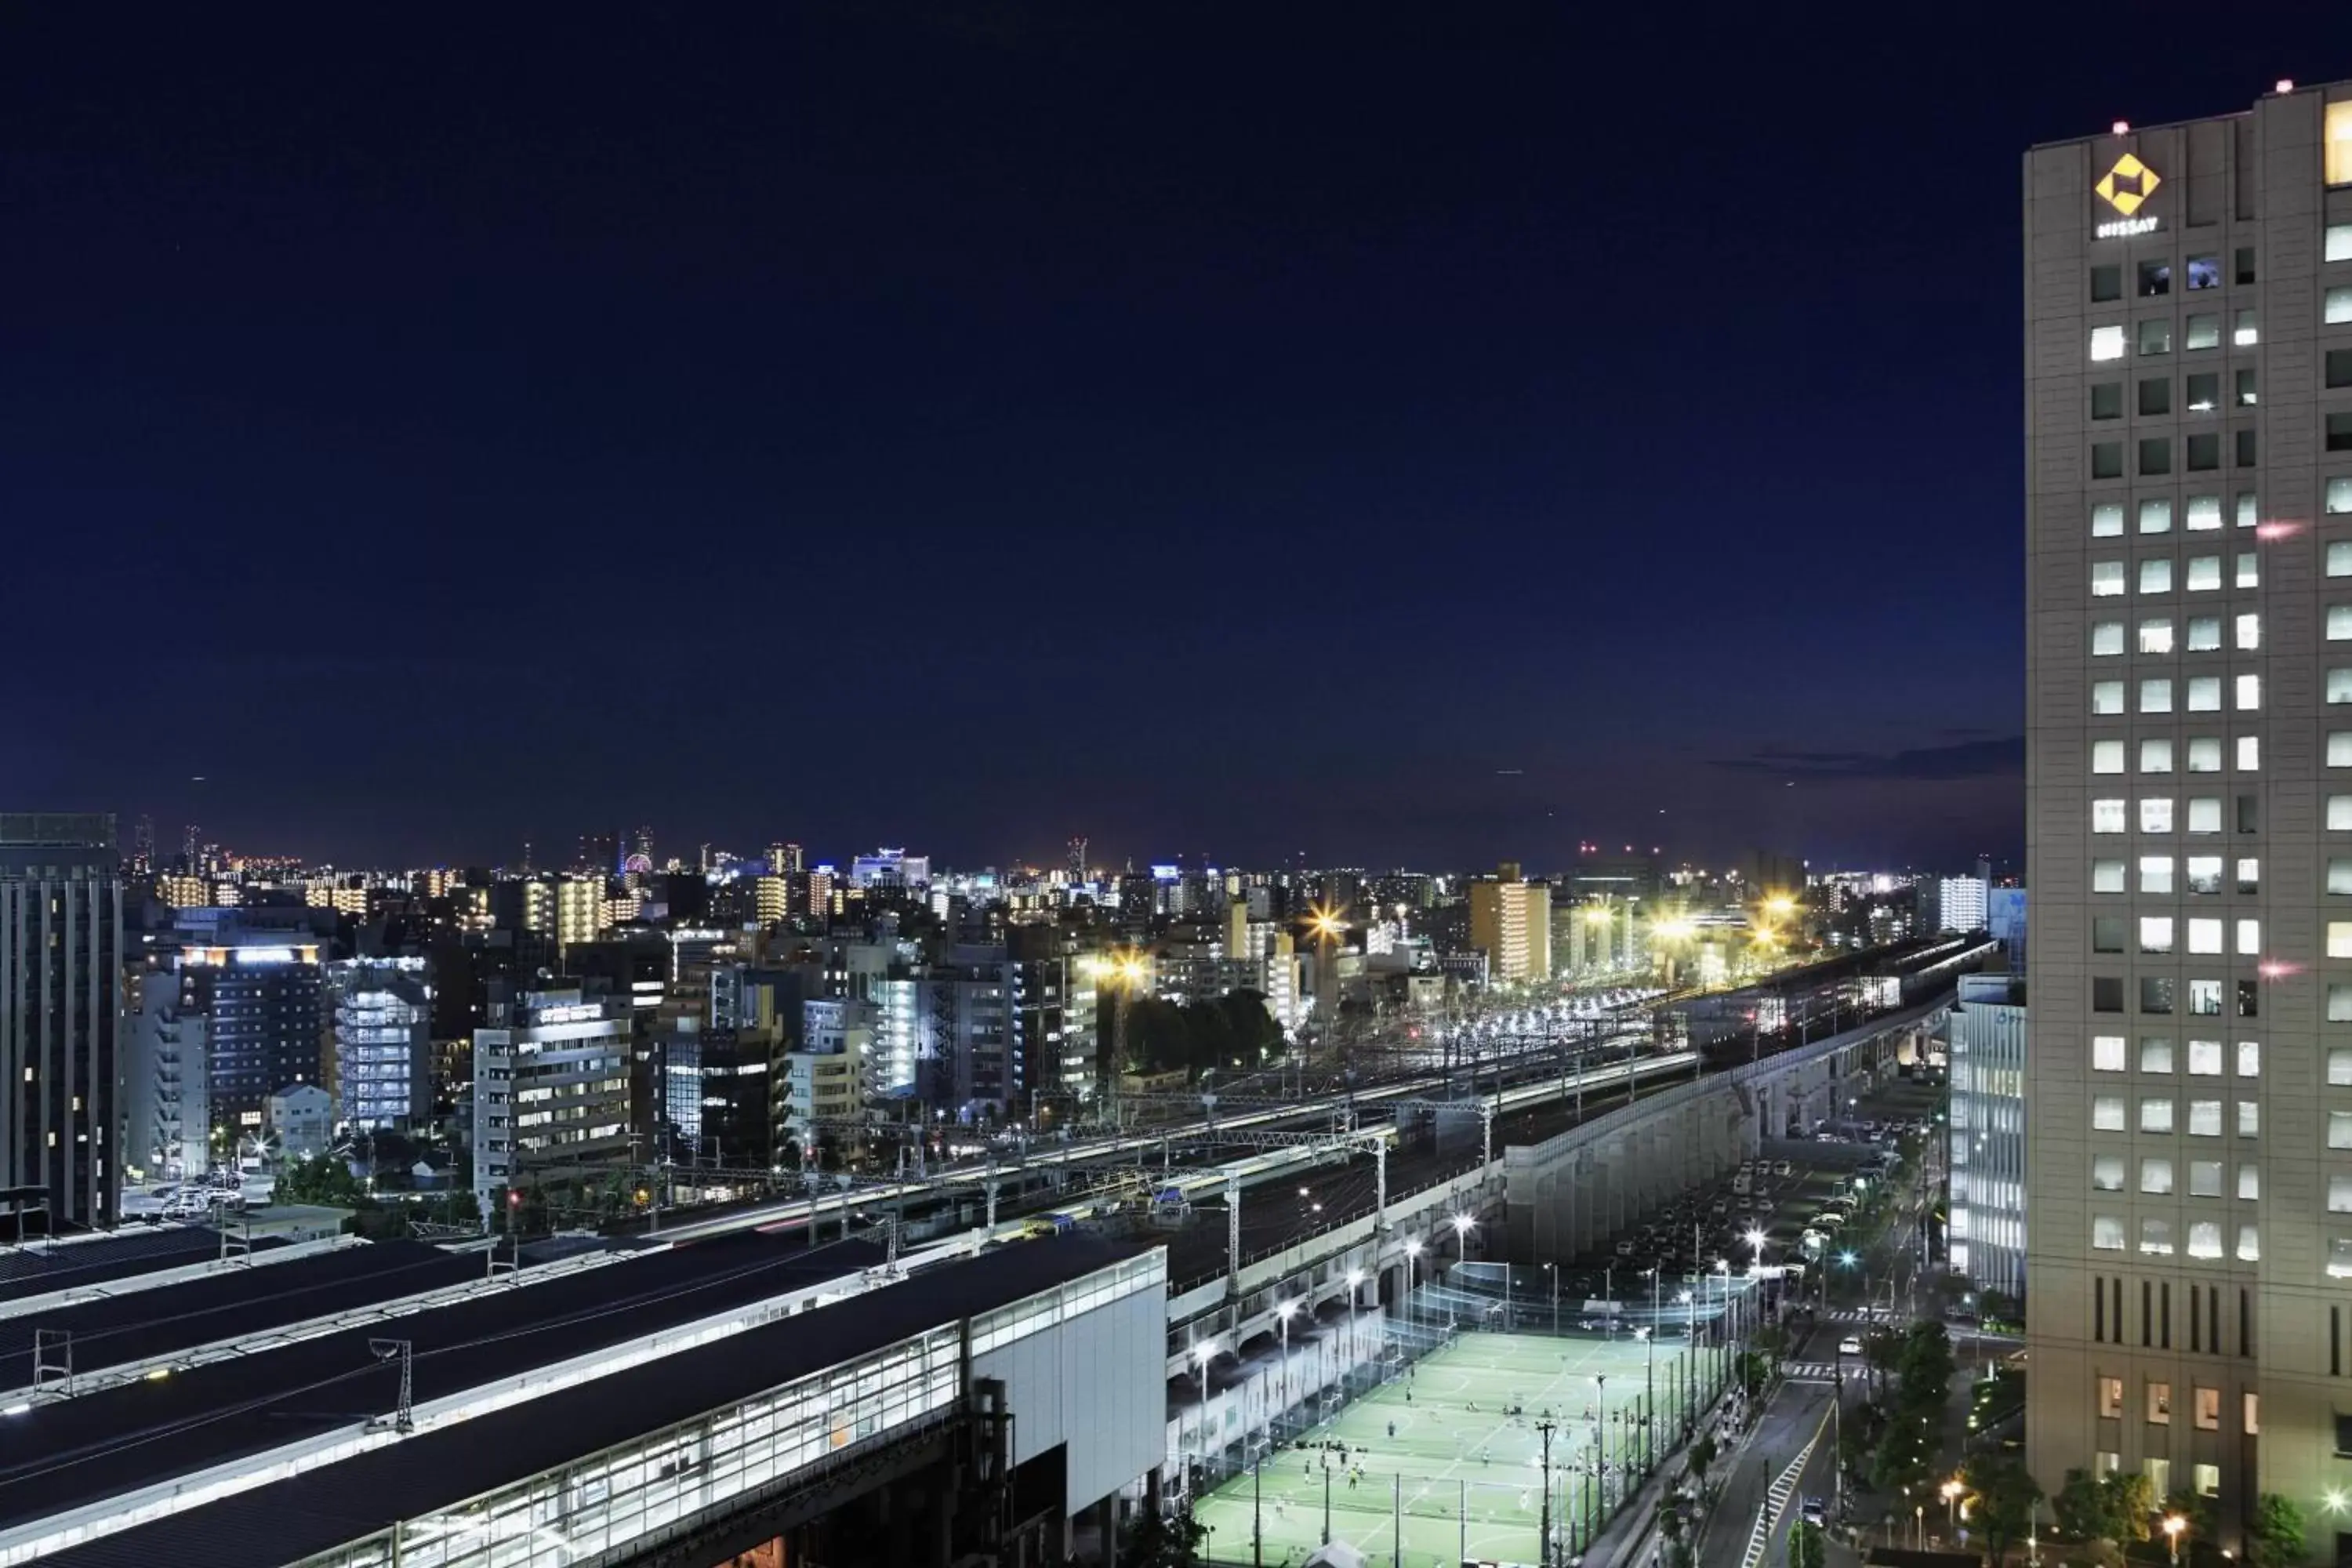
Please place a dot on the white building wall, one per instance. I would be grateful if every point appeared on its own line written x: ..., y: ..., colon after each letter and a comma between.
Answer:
x: 1095, y: 1384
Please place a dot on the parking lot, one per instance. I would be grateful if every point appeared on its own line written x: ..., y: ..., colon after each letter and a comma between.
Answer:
x: 1799, y: 1197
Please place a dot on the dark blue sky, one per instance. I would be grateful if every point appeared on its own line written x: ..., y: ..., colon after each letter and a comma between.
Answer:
x: 1231, y: 431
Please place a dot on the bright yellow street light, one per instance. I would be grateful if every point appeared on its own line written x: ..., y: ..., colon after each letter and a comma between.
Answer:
x: 1779, y: 906
x: 1598, y: 914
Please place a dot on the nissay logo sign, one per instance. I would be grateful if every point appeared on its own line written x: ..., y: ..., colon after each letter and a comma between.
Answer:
x: 2126, y: 187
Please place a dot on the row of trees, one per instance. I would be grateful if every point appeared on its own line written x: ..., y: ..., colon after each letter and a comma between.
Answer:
x: 1233, y: 1033
x: 1894, y: 1440
x: 2124, y: 1508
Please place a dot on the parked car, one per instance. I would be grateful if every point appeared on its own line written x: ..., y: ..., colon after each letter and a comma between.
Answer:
x: 1850, y: 1345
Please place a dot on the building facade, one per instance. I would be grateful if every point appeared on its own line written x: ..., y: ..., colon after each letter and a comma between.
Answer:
x: 1510, y: 921
x: 550, y: 1089
x: 1986, y: 1134
x: 382, y: 1011
x: 60, y: 1013
x: 2188, y: 463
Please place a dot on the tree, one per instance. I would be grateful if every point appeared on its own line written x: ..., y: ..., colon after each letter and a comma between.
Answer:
x: 1882, y: 1351
x: 1807, y: 1548
x: 2131, y: 1503
x: 2005, y: 1496
x: 1164, y: 1541
x: 1701, y: 1454
x: 1926, y: 1366
x: 2081, y: 1506
x: 321, y: 1179
x: 2274, y: 1535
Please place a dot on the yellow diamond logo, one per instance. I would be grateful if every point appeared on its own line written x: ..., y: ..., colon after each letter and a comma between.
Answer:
x: 2128, y: 184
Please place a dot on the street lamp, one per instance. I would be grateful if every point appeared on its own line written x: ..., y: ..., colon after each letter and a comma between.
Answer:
x: 1462, y: 1225
x: 2173, y: 1527
x: 1412, y: 1251
x: 1951, y: 1495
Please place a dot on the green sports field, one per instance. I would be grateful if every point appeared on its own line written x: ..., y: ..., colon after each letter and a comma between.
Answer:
x: 1442, y: 1441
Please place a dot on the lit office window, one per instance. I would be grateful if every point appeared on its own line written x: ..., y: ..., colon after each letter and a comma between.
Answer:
x: 2156, y: 576
x: 2107, y: 1233
x: 2106, y: 876
x: 2204, y: 1119
x: 2155, y: 756
x: 2155, y: 813
x: 2156, y: 933
x: 2155, y: 1175
x: 2156, y: 873
x: 2336, y: 307
x: 2108, y: 520
x: 2243, y: 331
x: 2156, y: 517
x: 2155, y: 1236
x: 2108, y: 816
x: 2106, y: 1173
x: 2250, y: 1244
x: 2107, y: 1114
x: 2106, y: 579
x: 2204, y: 935
x: 2107, y: 696
x: 2205, y: 753
x: 2250, y: 631
x: 2204, y: 513
x: 2204, y: 1055
x: 2155, y: 694
x: 2107, y: 1053
x: 2154, y: 1056
x: 2203, y: 331
x: 2106, y: 756
x: 2204, y: 694
x: 2249, y: 693
x: 2204, y: 1238
x: 2204, y: 1178
x: 2203, y: 574
x: 2156, y: 634
x: 2106, y: 638
x: 2106, y: 343
x: 2250, y: 753
x: 2155, y: 1115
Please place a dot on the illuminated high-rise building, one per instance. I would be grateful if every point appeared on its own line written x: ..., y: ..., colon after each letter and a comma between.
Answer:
x: 2189, y: 808
x: 1510, y: 920
x: 60, y: 1012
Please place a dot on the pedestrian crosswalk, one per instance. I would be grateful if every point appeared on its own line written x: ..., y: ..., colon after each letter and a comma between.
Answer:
x: 1809, y: 1371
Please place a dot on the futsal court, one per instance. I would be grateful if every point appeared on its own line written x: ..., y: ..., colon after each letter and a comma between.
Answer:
x: 1453, y: 1439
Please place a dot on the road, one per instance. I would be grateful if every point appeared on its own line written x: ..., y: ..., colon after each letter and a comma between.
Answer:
x: 1791, y: 1418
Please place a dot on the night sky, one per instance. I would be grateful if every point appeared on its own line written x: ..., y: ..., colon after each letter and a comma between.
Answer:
x: 1241, y: 433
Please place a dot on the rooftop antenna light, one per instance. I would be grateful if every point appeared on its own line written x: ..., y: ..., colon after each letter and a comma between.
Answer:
x: 2123, y: 128
x: 2286, y: 84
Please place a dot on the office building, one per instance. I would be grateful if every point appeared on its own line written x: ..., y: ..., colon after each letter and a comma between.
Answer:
x: 1510, y: 921
x: 1986, y: 1131
x: 382, y: 1012
x: 60, y: 1006
x: 550, y: 1089
x: 227, y: 1016
x: 2189, y: 472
